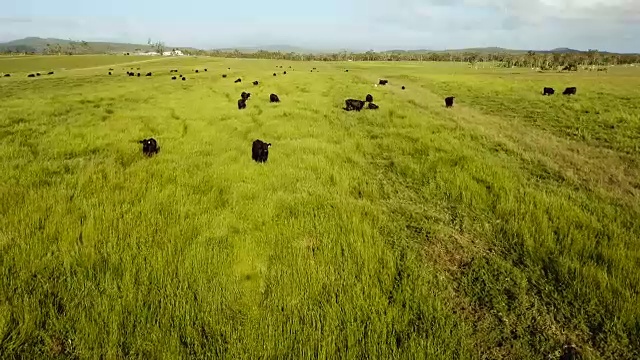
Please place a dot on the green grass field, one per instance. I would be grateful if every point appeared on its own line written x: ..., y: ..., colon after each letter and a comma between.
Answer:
x: 502, y: 228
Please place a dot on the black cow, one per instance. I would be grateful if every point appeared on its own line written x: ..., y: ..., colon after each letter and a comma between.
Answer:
x: 7, y: 75
x: 548, y: 91
x: 184, y: 79
x: 110, y: 69
x: 181, y: 76
x: 138, y: 69
x: 50, y: 73
x: 38, y: 74
x: 369, y: 98
x: 448, y: 101
x: 383, y: 82
x: 274, y: 98
x: 31, y: 75
x: 148, y: 74
x: 172, y: 71
x: 274, y: 74
x: 285, y: 73
x: 373, y: 106
x: 224, y: 76
x: 346, y: 70
x: 109, y: 72
x: 138, y: 74
x: 242, y: 104
x: 570, y: 352
x: 353, y: 104
x: 131, y: 74
x: 255, y: 82
x: 403, y: 87
x: 260, y: 151
x: 570, y: 91
x: 149, y: 146
x: 245, y: 95
x: 196, y: 70
x: 228, y: 68
x: 205, y: 70
x: 238, y: 80
x: 173, y: 78
x: 314, y: 68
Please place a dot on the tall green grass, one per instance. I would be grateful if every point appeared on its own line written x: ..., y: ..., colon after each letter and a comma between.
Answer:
x: 486, y: 230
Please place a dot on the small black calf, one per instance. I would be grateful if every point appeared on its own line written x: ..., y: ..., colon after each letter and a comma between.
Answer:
x: 149, y: 146
x: 274, y: 98
x: 260, y: 151
x: 238, y: 80
x: 383, y: 82
x: 448, y: 102
x: 255, y: 82
x: 242, y: 104
x: 570, y: 91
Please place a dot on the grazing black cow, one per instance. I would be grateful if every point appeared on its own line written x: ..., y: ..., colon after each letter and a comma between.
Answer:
x: 373, y: 106
x: 383, y: 82
x: 238, y: 80
x: 369, y: 98
x: 196, y: 70
x: 448, y: 101
x: 274, y: 98
x: 173, y: 78
x: 138, y: 69
x: 280, y: 66
x: 138, y: 74
x: 255, y: 82
x: 353, y: 104
x: 548, y: 91
x: 403, y: 87
x: 110, y: 69
x: 260, y: 151
x: 245, y: 95
x: 184, y: 79
x: 181, y: 76
x: 171, y: 71
x: 346, y: 70
x: 285, y: 73
x: 205, y: 70
x: 38, y: 74
x: 570, y: 352
x: 274, y: 74
x: 109, y: 72
x: 148, y: 74
x: 314, y: 68
x: 228, y: 68
x: 570, y: 91
x: 131, y: 74
x: 31, y: 75
x: 242, y: 104
x: 50, y: 73
x: 224, y: 76
x: 7, y: 75
x: 149, y: 146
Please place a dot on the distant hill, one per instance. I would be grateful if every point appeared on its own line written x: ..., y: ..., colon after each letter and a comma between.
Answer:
x: 40, y: 45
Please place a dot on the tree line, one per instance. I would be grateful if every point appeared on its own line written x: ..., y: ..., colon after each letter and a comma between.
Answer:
x: 541, y: 60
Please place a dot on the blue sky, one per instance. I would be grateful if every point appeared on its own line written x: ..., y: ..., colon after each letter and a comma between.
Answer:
x: 612, y: 25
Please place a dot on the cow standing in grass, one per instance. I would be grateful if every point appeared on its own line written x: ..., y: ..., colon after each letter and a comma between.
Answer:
x: 260, y: 151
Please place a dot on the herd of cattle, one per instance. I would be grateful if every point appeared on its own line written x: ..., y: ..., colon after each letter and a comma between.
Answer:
x: 260, y: 149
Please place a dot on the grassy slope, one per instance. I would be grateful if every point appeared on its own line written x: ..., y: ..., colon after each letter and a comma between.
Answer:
x: 487, y: 230
x: 29, y: 64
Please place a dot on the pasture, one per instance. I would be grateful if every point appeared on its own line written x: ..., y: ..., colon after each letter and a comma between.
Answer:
x: 502, y: 228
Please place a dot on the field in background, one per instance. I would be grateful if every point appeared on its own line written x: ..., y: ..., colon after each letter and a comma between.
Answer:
x: 502, y: 228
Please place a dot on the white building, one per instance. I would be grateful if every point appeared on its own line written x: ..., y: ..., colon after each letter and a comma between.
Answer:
x: 173, y: 53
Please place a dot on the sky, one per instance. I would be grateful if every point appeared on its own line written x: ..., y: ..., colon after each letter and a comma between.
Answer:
x: 606, y: 25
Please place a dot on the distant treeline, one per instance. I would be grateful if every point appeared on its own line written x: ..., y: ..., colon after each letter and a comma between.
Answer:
x: 542, y: 60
